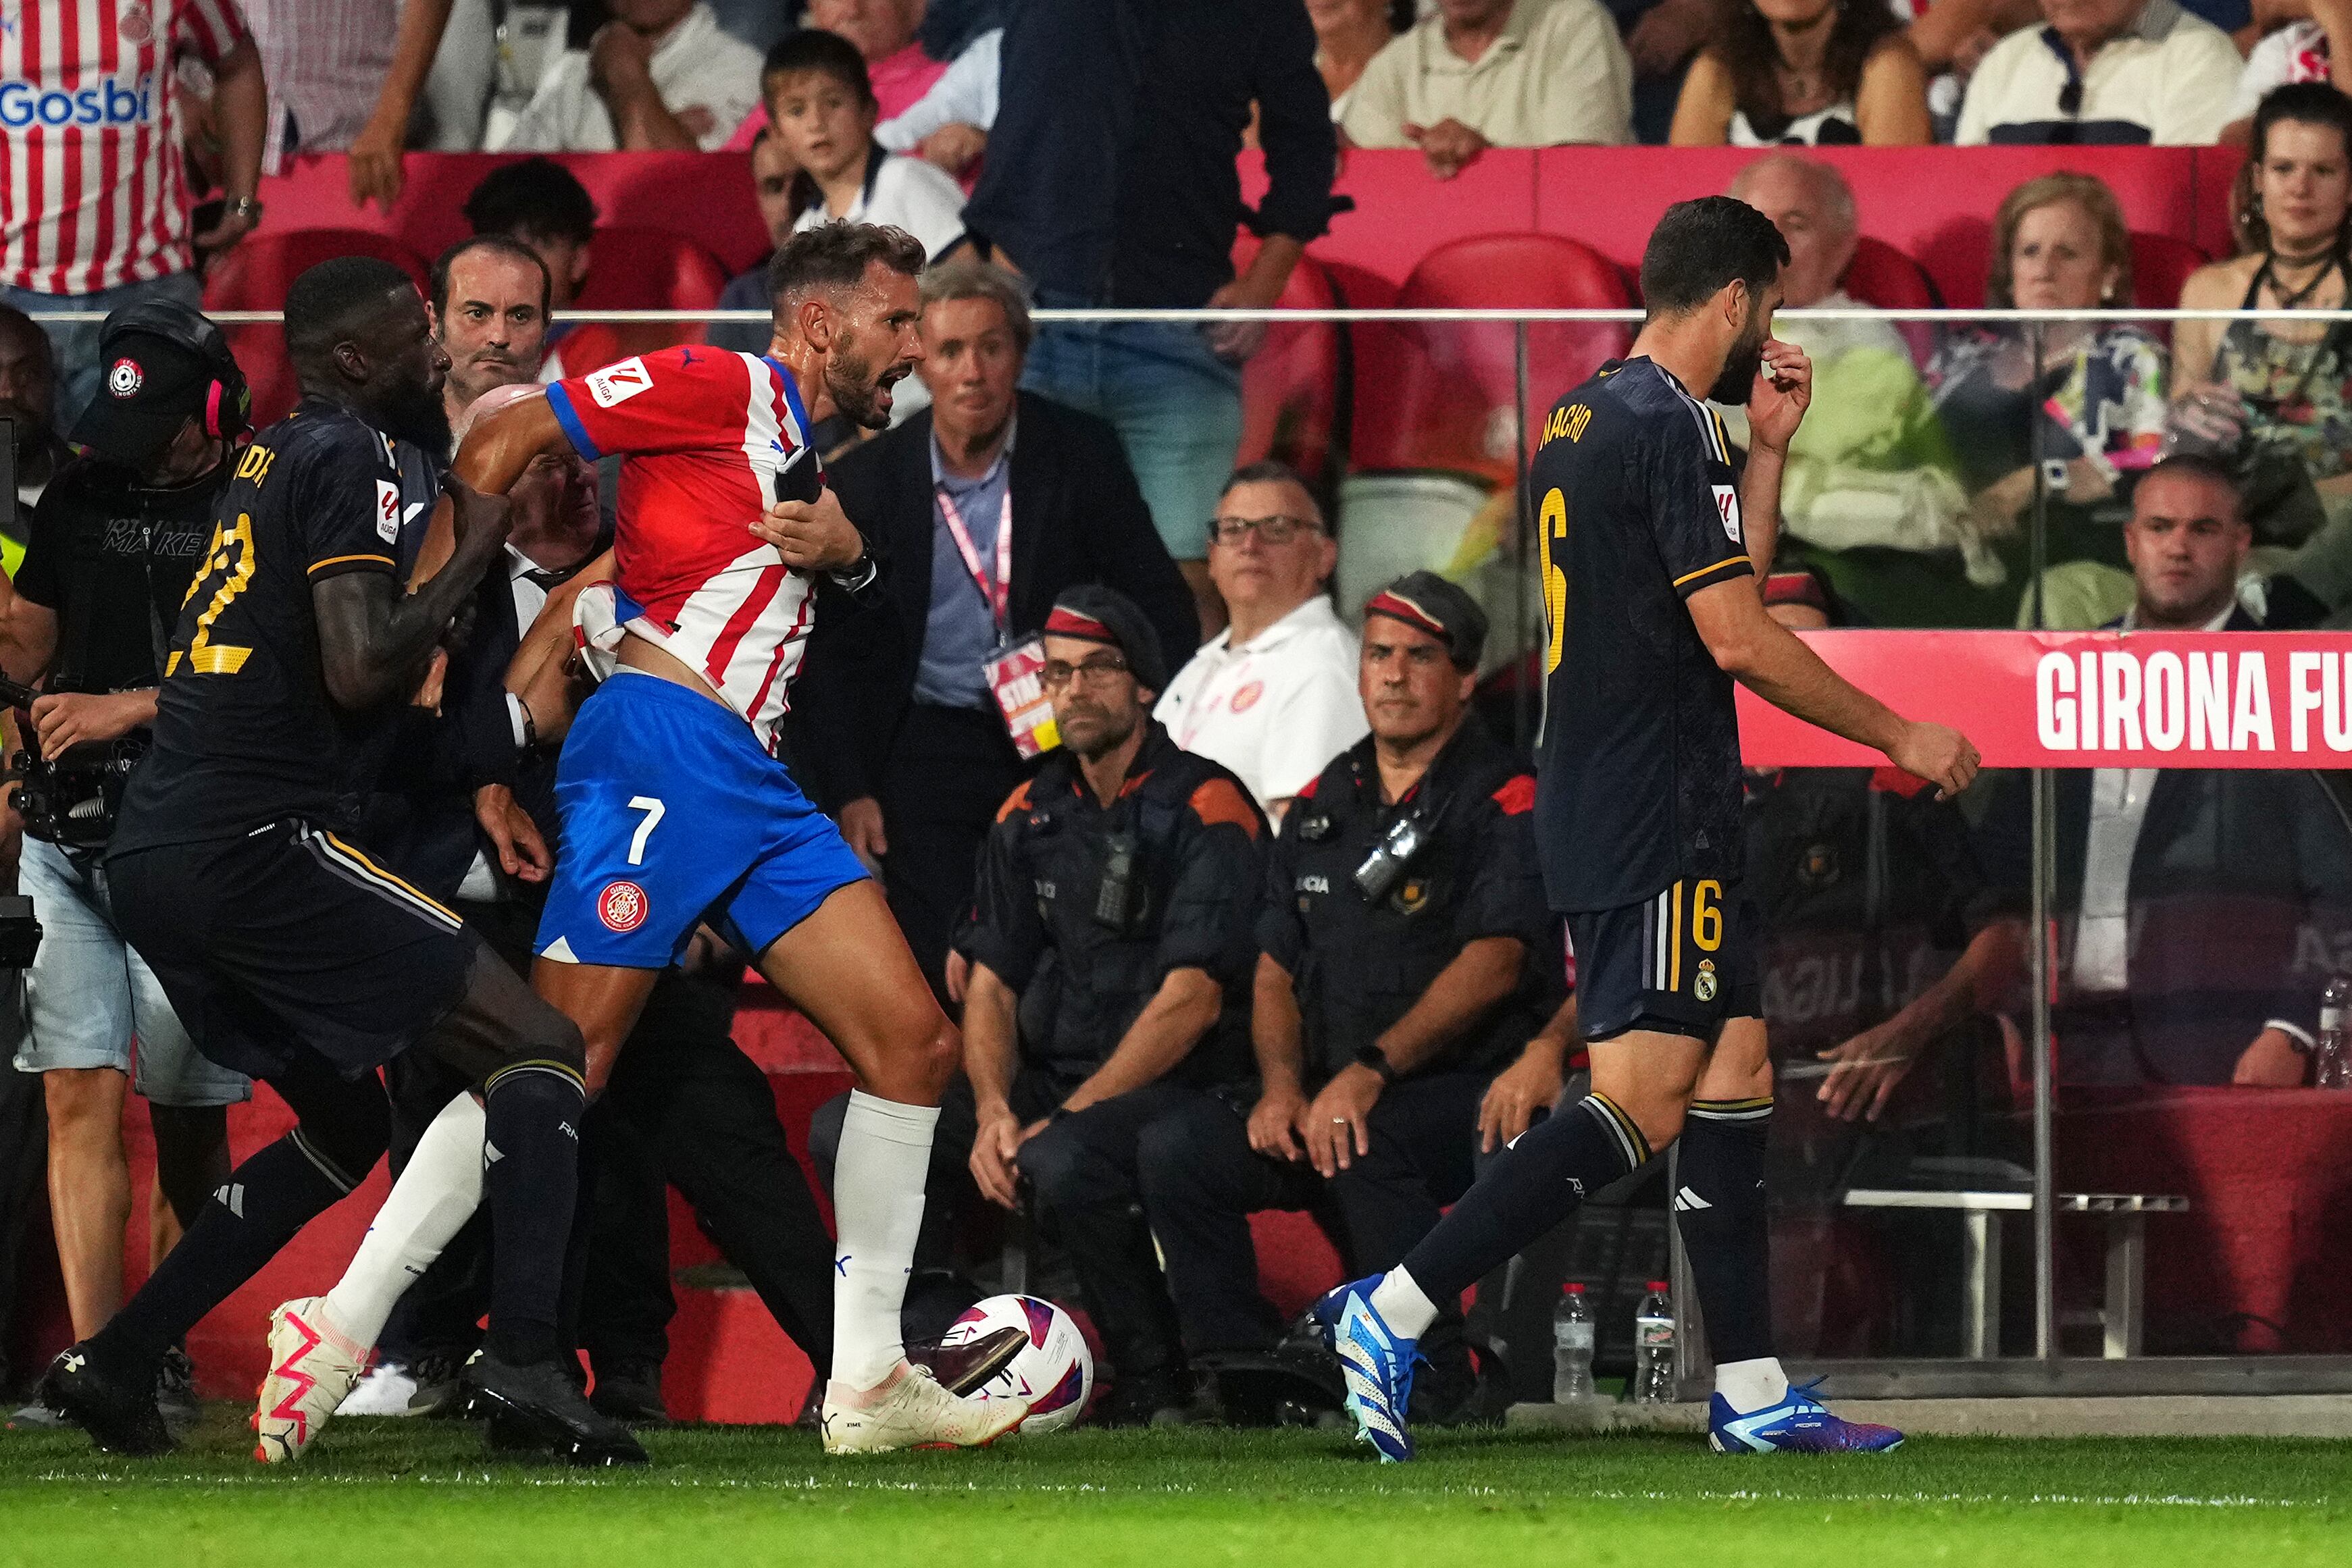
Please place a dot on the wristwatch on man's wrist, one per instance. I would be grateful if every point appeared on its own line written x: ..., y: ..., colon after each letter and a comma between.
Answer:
x: 1373, y: 1057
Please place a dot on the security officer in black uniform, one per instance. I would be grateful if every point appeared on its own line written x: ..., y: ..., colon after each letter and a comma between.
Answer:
x: 1110, y: 952
x: 1408, y: 957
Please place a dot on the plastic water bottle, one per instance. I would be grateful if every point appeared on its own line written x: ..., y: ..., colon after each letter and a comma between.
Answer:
x: 2332, y: 1062
x: 1571, y: 1346
x: 1653, y: 1347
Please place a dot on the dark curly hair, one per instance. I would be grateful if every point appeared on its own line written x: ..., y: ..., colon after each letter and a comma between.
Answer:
x: 1743, y: 44
x: 836, y: 254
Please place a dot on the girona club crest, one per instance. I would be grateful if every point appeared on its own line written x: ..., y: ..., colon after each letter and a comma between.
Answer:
x: 622, y: 906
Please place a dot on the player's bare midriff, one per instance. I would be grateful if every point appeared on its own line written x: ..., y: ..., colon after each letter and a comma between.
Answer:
x: 641, y: 654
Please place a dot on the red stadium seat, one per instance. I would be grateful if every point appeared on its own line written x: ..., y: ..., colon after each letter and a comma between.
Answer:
x: 1291, y: 390
x: 641, y: 270
x: 1884, y: 278
x: 256, y: 276
x: 2160, y: 265
x: 1442, y: 395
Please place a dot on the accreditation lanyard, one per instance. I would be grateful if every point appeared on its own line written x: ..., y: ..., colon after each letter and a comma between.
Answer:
x: 996, y: 591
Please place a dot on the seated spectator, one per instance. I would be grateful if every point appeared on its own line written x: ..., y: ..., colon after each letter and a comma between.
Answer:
x: 2274, y: 398
x: 1862, y: 497
x: 2103, y: 72
x: 1379, y: 1019
x: 658, y: 76
x: 1347, y: 34
x: 1805, y: 72
x: 822, y: 108
x: 883, y: 34
x: 772, y: 187
x: 540, y: 205
x: 1476, y: 74
x: 1095, y: 1015
x: 2304, y: 50
x: 2059, y: 244
x: 489, y: 299
x: 1951, y: 38
x: 2181, y: 893
x: 1272, y: 696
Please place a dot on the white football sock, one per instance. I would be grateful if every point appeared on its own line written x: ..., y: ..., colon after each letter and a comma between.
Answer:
x: 1748, y: 1387
x: 439, y: 1190
x: 878, y: 1210
x: 1403, y: 1304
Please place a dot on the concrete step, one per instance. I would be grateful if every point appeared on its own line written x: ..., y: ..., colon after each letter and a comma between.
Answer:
x: 2146, y: 1416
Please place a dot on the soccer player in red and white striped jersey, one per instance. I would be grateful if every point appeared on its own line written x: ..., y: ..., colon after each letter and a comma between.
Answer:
x: 93, y: 201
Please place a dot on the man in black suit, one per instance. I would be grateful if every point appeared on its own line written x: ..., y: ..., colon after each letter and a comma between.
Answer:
x: 899, y: 733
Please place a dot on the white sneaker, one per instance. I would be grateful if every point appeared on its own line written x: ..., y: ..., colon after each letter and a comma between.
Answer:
x: 386, y: 1390
x: 311, y: 1371
x: 909, y: 1409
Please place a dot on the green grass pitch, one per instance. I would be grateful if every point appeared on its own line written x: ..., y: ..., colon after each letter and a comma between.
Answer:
x: 421, y: 1495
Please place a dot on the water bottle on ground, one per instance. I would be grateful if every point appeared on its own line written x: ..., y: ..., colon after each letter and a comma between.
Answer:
x: 2332, y: 1061
x: 1571, y: 1346
x: 1653, y: 1347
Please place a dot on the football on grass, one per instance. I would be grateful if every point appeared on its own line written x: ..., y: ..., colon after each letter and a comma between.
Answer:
x: 1054, y: 1371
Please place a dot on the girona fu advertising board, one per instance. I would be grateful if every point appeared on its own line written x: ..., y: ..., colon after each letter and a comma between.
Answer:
x: 2088, y: 699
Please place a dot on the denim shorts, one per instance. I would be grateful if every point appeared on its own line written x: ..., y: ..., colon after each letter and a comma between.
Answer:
x: 88, y: 996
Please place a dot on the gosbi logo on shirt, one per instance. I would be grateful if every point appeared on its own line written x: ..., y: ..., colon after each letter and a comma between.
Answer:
x: 1727, y: 506
x: 622, y: 906
x: 618, y: 383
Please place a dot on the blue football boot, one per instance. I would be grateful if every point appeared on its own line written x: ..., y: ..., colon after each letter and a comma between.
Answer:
x: 1800, y: 1423
x: 1378, y: 1362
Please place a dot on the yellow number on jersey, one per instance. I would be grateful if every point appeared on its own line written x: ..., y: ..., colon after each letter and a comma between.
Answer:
x: 1551, y: 525
x: 1707, y: 915
x: 228, y: 567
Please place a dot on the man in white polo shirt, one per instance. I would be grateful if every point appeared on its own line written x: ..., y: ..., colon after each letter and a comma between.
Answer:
x: 2104, y: 73
x: 1273, y: 697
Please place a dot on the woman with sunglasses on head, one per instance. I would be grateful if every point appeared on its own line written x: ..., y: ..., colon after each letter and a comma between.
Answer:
x: 1822, y: 73
x: 2274, y: 397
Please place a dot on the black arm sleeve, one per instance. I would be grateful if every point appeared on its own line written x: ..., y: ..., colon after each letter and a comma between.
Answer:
x: 1302, y: 152
x: 1694, y: 496
x: 1213, y: 904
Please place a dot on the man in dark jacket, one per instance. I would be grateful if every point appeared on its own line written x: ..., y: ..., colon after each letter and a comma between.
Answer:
x: 985, y: 508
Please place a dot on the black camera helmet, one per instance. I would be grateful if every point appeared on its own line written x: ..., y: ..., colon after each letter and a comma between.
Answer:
x: 165, y: 364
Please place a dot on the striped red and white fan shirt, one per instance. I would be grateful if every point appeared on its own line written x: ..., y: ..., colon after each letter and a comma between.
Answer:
x: 91, y: 193
x: 702, y: 435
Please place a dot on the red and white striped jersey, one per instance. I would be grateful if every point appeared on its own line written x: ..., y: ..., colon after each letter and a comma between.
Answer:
x: 90, y: 188
x: 703, y: 435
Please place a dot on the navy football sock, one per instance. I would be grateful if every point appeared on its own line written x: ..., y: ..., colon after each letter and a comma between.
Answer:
x: 1719, y: 1208
x: 533, y: 1112
x: 1531, y: 1186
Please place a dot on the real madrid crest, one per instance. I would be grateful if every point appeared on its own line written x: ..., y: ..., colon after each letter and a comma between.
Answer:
x: 1818, y: 866
x: 1704, y: 987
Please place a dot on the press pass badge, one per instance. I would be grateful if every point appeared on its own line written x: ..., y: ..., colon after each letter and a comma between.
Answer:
x: 1016, y: 678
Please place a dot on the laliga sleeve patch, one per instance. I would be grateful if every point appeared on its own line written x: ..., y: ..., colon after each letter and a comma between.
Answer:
x: 1727, y: 506
x: 387, y: 511
x: 622, y: 906
x: 618, y: 383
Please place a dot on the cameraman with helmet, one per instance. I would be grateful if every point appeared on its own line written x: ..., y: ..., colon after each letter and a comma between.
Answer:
x: 115, y: 542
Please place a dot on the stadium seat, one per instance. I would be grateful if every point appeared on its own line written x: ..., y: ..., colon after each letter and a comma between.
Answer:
x: 1294, y: 390
x: 1442, y: 395
x: 1884, y: 278
x: 256, y: 276
x: 2160, y: 265
x: 641, y: 270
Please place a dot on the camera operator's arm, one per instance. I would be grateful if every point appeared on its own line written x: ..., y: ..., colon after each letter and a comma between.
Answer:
x: 373, y: 640
x: 29, y: 601
x: 28, y: 635
x: 64, y: 720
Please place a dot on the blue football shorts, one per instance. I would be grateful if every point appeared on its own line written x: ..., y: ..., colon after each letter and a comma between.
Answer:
x: 673, y: 816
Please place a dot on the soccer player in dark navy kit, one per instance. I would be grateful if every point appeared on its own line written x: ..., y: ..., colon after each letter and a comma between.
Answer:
x: 286, y: 949
x: 1654, y: 547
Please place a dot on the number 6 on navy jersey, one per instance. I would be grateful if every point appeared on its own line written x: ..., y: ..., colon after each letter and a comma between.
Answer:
x: 652, y: 810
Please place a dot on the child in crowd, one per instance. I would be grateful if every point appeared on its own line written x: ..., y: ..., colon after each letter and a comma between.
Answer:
x: 822, y: 108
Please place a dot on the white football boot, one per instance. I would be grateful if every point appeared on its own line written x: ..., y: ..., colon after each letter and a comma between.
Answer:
x: 909, y: 1409
x: 312, y: 1369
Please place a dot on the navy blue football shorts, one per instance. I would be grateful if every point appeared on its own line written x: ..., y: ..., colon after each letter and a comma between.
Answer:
x: 1680, y: 963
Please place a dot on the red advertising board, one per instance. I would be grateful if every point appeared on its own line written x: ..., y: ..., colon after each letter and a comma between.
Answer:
x: 2088, y: 699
